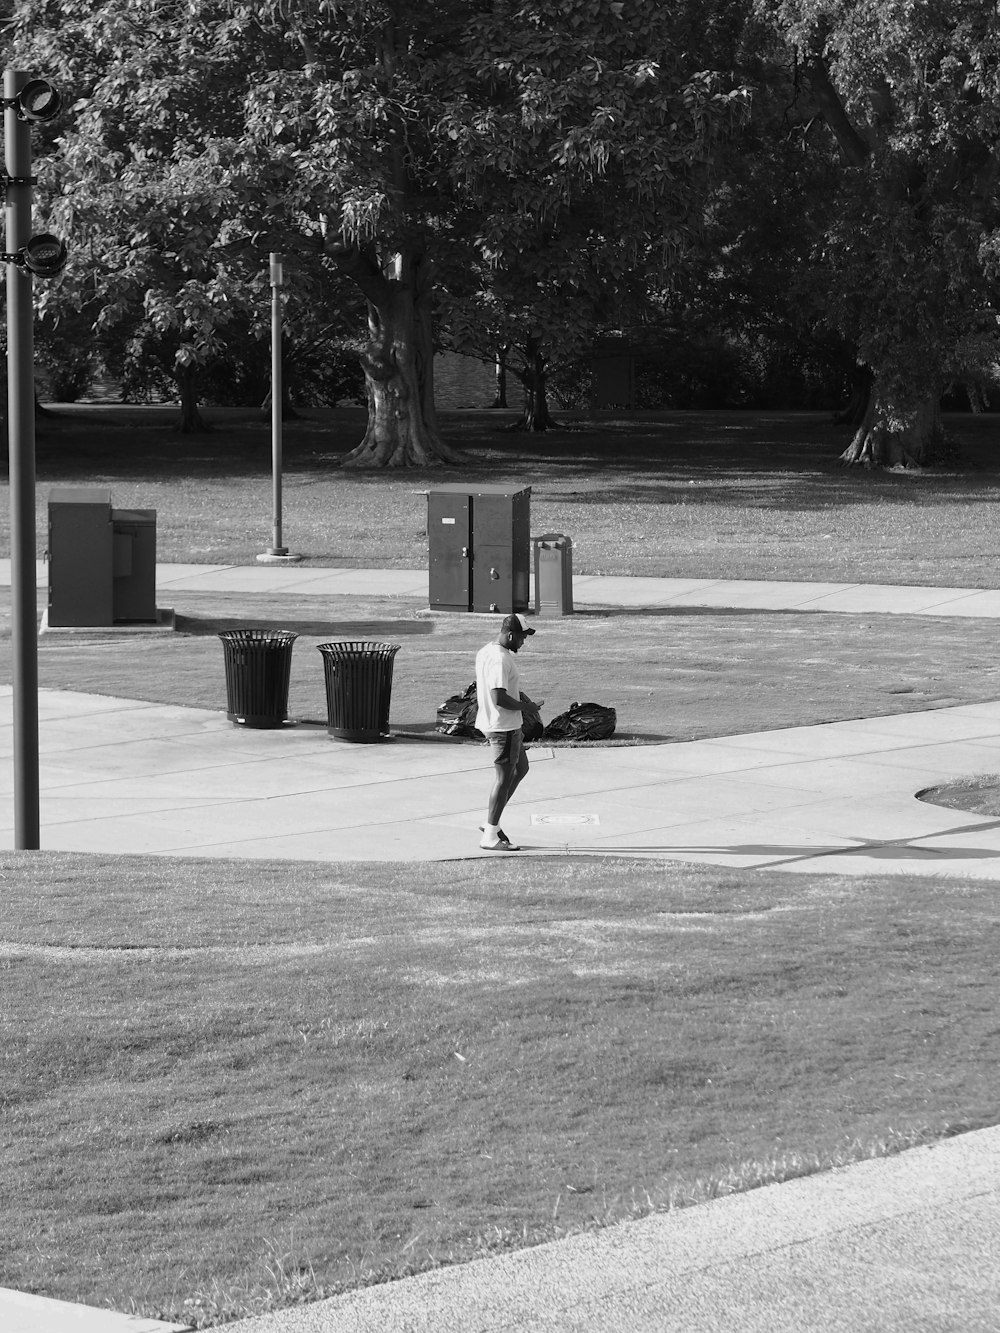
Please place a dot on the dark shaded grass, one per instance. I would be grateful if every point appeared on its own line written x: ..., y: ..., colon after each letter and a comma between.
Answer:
x: 704, y: 495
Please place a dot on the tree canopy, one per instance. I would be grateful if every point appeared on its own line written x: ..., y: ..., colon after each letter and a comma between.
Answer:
x: 481, y: 149
x: 522, y: 175
x: 592, y: 139
x: 909, y: 95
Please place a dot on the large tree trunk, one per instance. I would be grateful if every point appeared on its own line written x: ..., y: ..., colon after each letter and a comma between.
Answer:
x: 853, y: 412
x: 398, y: 362
x: 288, y: 409
x: 536, y: 416
x: 897, y: 435
x: 191, y: 421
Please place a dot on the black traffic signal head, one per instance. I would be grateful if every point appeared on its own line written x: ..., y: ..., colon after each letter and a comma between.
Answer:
x: 44, y: 255
x: 37, y: 100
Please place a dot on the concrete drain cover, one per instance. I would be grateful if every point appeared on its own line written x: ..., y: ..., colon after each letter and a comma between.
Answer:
x: 565, y: 819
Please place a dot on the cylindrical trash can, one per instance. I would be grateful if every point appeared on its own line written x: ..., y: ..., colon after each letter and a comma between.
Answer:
x: 553, y: 574
x: 358, y: 688
x: 258, y: 666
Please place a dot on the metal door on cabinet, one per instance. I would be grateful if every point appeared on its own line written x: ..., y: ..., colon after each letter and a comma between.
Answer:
x: 449, y: 539
x: 81, y: 555
x: 134, y: 596
x: 492, y: 583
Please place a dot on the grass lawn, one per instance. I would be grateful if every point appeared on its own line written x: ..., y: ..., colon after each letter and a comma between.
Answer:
x: 232, y: 1085
x: 678, y: 674
x: 703, y: 495
x: 979, y: 794
x: 228, y: 1085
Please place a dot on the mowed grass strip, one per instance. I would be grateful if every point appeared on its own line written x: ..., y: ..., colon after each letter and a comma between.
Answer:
x: 675, y: 674
x: 979, y: 794
x: 231, y: 1084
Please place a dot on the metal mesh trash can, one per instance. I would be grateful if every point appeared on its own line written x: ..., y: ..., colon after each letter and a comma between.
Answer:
x: 358, y: 688
x: 258, y: 666
x: 553, y: 574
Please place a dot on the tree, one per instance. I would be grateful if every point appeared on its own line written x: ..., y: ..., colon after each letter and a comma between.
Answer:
x: 748, y: 312
x: 590, y: 126
x: 374, y: 135
x: 126, y: 177
x: 310, y: 124
x: 909, y: 94
x: 456, y: 124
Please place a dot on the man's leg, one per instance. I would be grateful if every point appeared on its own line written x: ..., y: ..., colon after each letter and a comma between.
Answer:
x: 514, y: 764
x: 509, y: 766
x: 503, y: 773
x: 520, y: 767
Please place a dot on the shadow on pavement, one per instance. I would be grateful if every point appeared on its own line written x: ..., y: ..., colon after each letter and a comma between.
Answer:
x: 334, y: 629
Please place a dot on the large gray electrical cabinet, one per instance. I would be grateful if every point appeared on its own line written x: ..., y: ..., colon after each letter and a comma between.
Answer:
x: 102, y: 561
x: 479, y: 548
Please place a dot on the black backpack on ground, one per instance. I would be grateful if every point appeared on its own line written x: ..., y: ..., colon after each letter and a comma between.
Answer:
x: 457, y: 717
x: 583, y: 722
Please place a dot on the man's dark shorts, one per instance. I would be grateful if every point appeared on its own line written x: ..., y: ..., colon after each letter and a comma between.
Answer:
x: 505, y: 746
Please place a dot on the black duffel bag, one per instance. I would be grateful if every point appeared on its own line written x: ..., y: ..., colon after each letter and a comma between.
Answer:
x: 583, y: 722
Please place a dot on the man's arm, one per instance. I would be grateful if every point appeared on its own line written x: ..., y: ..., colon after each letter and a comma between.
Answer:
x: 504, y: 700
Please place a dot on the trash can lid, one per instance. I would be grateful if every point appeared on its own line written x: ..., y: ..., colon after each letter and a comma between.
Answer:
x: 357, y: 648
x: 265, y: 637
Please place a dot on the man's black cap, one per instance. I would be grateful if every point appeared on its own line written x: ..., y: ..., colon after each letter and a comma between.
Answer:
x: 515, y: 625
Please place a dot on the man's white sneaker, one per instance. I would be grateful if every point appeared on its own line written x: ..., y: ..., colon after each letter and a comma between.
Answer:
x: 500, y: 833
x: 501, y: 844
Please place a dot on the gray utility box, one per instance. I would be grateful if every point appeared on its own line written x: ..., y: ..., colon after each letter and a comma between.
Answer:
x: 479, y: 552
x: 102, y: 561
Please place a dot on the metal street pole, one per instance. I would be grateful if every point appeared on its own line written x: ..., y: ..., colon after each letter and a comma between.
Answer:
x: 21, y: 448
x: 278, y: 553
x: 276, y: 398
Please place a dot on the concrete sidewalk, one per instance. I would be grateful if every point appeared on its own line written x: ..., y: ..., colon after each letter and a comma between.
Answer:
x: 589, y: 590
x: 119, y: 775
x: 905, y: 1243
x: 599, y: 590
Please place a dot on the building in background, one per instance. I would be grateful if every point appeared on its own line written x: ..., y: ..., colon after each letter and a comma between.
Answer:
x: 463, y: 382
x: 612, y: 382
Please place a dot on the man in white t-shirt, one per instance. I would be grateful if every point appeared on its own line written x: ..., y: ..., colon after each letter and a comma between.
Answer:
x: 499, y: 695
